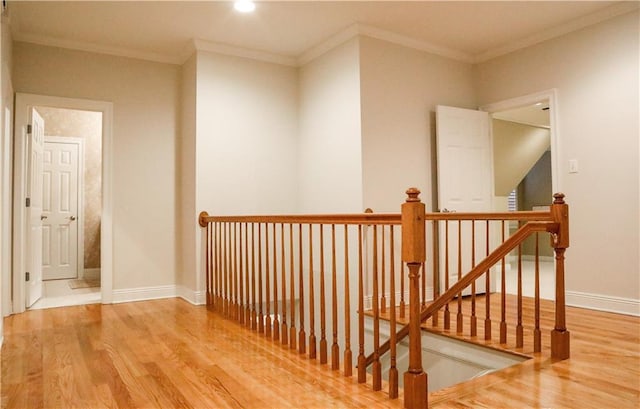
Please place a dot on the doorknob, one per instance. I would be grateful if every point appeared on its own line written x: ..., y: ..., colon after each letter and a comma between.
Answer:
x: 72, y: 218
x: 42, y: 217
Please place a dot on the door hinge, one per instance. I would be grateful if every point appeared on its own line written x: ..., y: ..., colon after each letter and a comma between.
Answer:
x: 29, y: 129
x: 28, y: 202
x: 27, y: 276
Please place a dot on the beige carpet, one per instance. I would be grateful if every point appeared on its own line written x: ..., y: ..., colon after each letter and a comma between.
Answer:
x: 84, y: 283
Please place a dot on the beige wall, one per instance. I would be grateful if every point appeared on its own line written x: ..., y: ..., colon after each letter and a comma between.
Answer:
x: 595, y: 71
x: 88, y: 126
x: 245, y: 140
x: 6, y: 148
x: 330, y: 144
x: 400, y: 88
x: 516, y: 149
x: 186, y: 177
x: 145, y: 118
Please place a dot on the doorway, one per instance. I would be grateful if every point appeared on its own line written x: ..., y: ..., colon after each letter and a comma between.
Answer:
x: 76, y: 270
x: 525, y: 151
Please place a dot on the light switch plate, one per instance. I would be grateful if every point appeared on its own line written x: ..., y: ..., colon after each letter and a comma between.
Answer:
x: 573, y: 165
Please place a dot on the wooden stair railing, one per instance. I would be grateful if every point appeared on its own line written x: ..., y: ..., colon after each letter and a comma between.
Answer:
x: 284, y: 277
x: 554, y: 222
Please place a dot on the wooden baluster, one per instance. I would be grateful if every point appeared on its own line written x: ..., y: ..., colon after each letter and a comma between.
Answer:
x: 423, y: 296
x: 302, y: 337
x: 267, y: 287
x: 362, y: 365
x: 474, y: 319
x: 292, y: 293
x: 393, y: 370
x: 436, y: 279
x: 216, y: 269
x: 254, y: 323
x: 323, y: 336
x: 227, y: 244
x: 537, y: 334
x: 284, y: 329
x: 247, y: 303
x: 312, y: 331
x: 208, y: 261
x: 335, y: 349
x: 276, y: 320
x: 487, y: 287
x: 560, y: 337
x: 447, y: 313
x: 413, y: 253
x: 503, y: 296
x: 383, y: 299
x: 220, y: 301
x: 260, y: 311
x: 234, y: 275
x: 403, y: 304
x: 348, y: 355
x: 519, y: 327
x: 376, y: 366
x: 240, y: 282
x: 459, y: 315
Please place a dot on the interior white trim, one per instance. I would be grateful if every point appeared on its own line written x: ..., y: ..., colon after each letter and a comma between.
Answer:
x: 225, y: 49
x: 552, y: 96
x: 144, y: 293
x: 191, y: 296
x: 618, y: 305
x: 573, y: 25
x: 97, y: 48
x: 328, y: 44
x: 23, y: 102
x: 80, y: 218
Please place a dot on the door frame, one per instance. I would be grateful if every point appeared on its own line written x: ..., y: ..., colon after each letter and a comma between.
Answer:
x: 23, y: 103
x: 80, y: 212
x: 550, y: 95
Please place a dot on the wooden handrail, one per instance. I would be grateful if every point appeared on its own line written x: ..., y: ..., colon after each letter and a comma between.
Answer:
x: 372, y: 218
x: 500, y: 252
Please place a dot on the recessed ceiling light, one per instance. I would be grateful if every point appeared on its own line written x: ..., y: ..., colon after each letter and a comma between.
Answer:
x: 244, y: 6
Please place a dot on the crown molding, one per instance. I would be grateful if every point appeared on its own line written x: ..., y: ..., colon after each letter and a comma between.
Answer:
x: 96, y: 48
x: 571, y: 26
x: 410, y: 42
x: 219, y: 48
x: 380, y: 34
x: 328, y: 44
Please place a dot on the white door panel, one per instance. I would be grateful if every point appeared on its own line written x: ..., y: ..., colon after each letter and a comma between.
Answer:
x: 60, y: 181
x: 465, y: 184
x: 35, y: 150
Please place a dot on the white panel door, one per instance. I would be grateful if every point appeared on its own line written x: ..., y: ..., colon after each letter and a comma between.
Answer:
x: 60, y: 210
x: 465, y: 183
x: 35, y: 148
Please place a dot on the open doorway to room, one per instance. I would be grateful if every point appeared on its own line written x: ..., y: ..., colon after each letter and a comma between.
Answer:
x: 72, y: 204
x: 61, y: 240
x: 523, y: 141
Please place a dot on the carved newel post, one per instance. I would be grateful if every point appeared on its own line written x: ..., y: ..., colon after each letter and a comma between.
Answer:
x: 560, y: 241
x: 413, y: 253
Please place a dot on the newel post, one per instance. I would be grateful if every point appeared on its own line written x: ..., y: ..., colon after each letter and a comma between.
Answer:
x: 413, y: 253
x: 560, y: 241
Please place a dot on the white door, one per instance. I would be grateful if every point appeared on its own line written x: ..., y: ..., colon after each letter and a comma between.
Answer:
x: 35, y: 147
x: 60, y: 210
x: 465, y: 183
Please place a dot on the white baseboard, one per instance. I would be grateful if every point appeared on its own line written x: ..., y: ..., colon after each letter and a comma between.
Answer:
x: 368, y: 299
x: 619, y: 305
x: 144, y: 293
x: 191, y: 296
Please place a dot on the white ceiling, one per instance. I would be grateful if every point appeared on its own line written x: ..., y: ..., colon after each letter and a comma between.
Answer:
x: 534, y: 114
x: 163, y: 30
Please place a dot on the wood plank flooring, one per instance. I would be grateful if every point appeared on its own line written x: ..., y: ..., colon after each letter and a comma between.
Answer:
x: 169, y: 354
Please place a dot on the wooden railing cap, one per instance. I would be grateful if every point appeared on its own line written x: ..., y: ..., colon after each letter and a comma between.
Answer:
x: 558, y: 198
x: 202, y: 219
x: 413, y: 194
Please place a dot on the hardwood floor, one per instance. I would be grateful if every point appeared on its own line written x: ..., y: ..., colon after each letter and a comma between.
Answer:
x: 168, y: 353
